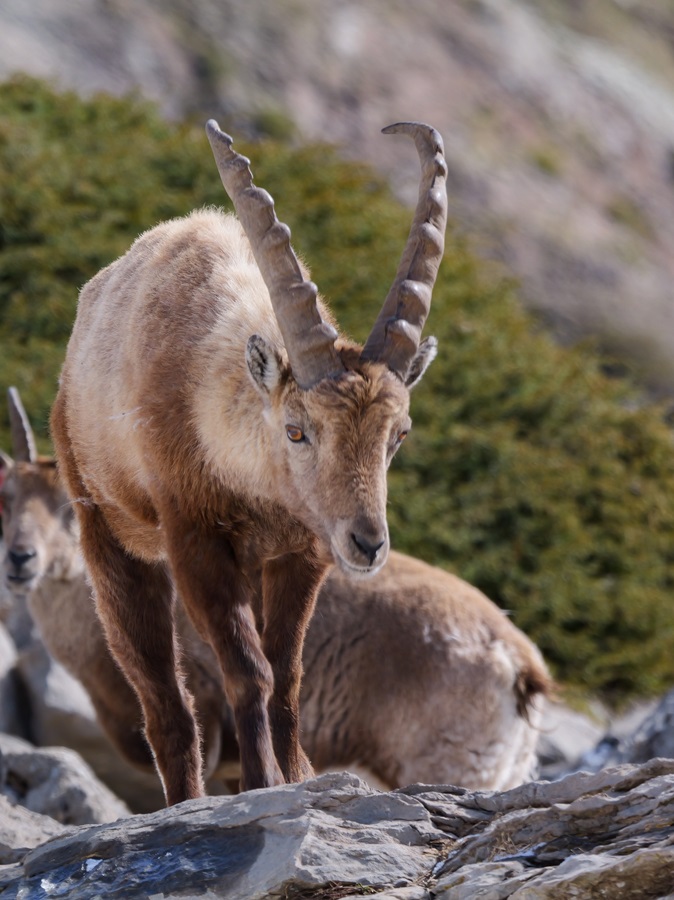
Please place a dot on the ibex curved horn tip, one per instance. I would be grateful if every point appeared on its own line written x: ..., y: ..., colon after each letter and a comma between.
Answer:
x: 416, y: 130
x: 397, y: 332
x: 214, y: 132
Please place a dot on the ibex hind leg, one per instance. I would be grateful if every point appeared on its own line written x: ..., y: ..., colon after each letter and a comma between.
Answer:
x: 117, y: 708
x: 134, y: 601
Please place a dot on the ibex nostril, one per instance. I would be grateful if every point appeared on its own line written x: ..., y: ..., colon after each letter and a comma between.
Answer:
x: 367, y: 548
x: 19, y: 558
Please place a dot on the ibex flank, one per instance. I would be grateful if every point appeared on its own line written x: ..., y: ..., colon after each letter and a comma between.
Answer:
x: 220, y: 439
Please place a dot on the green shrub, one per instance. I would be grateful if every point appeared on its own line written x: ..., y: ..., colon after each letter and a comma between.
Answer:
x: 527, y: 472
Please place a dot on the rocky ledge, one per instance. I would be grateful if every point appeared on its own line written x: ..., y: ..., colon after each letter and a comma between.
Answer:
x: 608, y: 834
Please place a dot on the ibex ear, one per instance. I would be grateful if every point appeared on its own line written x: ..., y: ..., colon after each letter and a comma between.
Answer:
x: 428, y: 350
x: 264, y: 364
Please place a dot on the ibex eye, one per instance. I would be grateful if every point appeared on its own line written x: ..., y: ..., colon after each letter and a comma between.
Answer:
x: 402, y: 435
x: 295, y: 434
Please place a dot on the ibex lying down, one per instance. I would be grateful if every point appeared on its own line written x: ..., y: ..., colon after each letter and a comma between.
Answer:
x: 219, y: 438
x: 412, y: 674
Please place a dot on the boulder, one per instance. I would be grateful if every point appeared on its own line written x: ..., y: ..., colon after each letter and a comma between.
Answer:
x: 654, y: 737
x: 566, y: 735
x: 61, y: 714
x: 55, y: 782
x: 572, y: 741
x: 21, y: 830
x: 291, y: 838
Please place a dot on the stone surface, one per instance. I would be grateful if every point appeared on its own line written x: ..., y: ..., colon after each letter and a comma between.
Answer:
x: 654, y: 737
x: 55, y: 782
x: 291, y: 838
x: 21, y: 830
x: 609, y: 834
x: 61, y: 714
x: 566, y: 735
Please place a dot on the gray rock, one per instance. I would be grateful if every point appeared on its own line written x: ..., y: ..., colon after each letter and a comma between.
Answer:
x: 654, y: 737
x: 609, y: 834
x: 21, y: 830
x: 285, y: 839
x: 566, y: 735
x: 61, y: 714
x: 644, y: 732
x: 55, y: 782
x: 60, y: 707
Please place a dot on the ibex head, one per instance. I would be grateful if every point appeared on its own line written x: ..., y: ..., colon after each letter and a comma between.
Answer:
x: 342, y: 410
x: 38, y: 524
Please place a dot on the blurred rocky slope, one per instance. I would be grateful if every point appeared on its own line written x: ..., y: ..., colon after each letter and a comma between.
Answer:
x: 558, y: 119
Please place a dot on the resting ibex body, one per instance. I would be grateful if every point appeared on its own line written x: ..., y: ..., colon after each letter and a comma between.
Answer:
x: 413, y: 675
x: 220, y: 439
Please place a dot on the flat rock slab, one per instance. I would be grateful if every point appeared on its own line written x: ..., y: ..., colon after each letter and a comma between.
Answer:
x: 295, y: 837
x: 609, y: 834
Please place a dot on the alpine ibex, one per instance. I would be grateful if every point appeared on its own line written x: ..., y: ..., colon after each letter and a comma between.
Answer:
x: 221, y: 440
x: 413, y: 675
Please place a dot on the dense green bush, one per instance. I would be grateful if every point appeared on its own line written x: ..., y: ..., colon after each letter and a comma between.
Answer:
x: 527, y: 472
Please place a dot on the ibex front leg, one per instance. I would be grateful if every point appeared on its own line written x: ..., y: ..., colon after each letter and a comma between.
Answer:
x: 217, y: 598
x: 290, y: 586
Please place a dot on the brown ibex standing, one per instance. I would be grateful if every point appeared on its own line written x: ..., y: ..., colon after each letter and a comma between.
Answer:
x: 413, y: 674
x: 219, y: 438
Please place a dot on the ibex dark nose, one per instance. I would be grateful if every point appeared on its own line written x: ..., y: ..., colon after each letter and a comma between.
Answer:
x: 20, y: 557
x: 367, y: 548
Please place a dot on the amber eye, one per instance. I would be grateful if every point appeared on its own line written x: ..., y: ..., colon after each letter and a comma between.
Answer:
x: 295, y: 434
x: 402, y: 435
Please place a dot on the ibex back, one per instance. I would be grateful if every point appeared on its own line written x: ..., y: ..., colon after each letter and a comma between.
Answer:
x: 219, y: 438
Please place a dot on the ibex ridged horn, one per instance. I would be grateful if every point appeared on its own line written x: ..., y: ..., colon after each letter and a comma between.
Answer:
x: 23, y: 442
x: 309, y: 341
x: 397, y: 332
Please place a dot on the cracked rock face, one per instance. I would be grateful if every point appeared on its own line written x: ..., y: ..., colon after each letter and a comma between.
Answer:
x: 609, y: 834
